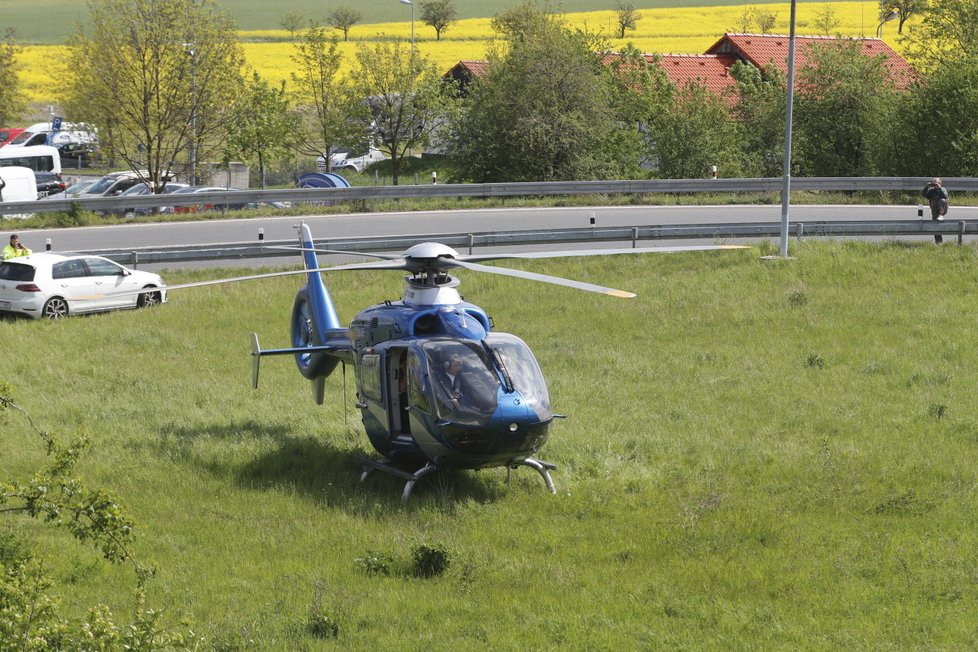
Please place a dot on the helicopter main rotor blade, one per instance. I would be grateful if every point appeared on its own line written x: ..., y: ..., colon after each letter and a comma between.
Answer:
x: 341, y: 252
x: 598, y: 252
x: 394, y: 264
x: 543, y: 278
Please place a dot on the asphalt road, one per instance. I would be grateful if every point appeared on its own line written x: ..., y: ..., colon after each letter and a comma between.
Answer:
x: 436, y: 222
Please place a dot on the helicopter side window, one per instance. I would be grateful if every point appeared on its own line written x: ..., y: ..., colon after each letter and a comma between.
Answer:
x: 370, y: 376
x: 415, y: 377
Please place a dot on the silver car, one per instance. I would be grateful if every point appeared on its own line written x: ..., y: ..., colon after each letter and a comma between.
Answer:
x: 53, y: 286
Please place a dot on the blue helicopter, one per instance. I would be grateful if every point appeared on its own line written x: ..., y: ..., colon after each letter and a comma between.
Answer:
x: 437, y: 387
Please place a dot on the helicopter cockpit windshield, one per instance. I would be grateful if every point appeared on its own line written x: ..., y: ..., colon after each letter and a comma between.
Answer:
x: 464, y: 383
x: 524, y: 372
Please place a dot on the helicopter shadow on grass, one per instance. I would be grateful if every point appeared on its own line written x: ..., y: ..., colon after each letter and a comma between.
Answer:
x: 313, y: 468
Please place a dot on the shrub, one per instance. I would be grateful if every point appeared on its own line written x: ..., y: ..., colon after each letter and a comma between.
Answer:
x: 429, y: 560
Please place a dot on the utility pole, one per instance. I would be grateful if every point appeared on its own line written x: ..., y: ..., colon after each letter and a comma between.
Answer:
x: 192, y: 53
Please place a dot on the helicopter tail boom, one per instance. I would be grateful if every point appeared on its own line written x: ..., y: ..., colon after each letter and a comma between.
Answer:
x: 321, y: 303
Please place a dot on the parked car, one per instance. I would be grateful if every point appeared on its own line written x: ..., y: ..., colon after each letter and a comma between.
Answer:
x: 345, y: 160
x: 72, y: 191
x: 141, y: 189
x: 48, y: 183
x: 195, y: 208
x: 76, y: 155
x: 52, y: 285
x: 112, y: 184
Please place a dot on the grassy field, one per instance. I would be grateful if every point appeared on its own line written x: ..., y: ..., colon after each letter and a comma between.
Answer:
x: 52, y: 21
x: 688, y: 30
x: 763, y: 455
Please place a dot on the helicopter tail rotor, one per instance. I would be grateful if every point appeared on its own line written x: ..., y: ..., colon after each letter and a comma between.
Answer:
x: 314, y: 321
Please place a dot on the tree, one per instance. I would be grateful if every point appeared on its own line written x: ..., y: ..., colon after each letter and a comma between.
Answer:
x: 343, y: 18
x: 947, y: 32
x: 627, y: 17
x: 291, y: 21
x: 11, y: 98
x: 695, y: 134
x: 904, y: 10
x: 57, y: 495
x: 761, y: 102
x: 546, y: 109
x: 263, y: 123
x: 404, y: 98
x: 324, y: 97
x: 825, y: 20
x: 521, y: 20
x: 438, y: 14
x: 844, y: 104
x: 765, y: 20
x: 156, y: 78
x: 936, y: 128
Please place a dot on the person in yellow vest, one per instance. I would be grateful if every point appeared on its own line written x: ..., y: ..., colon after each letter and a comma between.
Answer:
x: 15, y: 248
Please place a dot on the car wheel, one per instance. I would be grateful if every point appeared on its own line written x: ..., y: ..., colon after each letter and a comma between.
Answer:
x: 147, y: 299
x: 55, y: 308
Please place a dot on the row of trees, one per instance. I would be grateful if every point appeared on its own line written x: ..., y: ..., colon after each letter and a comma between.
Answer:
x: 162, y: 82
x: 438, y: 14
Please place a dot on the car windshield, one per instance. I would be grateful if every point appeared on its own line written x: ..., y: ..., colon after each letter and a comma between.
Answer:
x: 78, y: 187
x: 138, y: 189
x: 101, y: 185
x: 16, y: 272
x: 22, y: 137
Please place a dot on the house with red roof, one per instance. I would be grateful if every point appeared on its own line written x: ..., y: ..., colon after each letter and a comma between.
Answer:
x: 762, y: 49
x: 712, y: 69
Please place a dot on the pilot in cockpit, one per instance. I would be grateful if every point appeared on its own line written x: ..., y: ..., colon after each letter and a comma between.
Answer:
x: 451, y: 377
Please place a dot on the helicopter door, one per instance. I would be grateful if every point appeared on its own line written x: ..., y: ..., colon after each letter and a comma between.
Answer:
x: 397, y: 393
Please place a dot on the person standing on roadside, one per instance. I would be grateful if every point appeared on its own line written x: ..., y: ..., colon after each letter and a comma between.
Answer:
x: 15, y: 248
x: 936, y: 195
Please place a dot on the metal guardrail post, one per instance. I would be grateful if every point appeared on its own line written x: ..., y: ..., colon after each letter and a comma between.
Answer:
x: 634, y: 237
x: 799, y: 230
x: 962, y: 226
x: 471, y: 240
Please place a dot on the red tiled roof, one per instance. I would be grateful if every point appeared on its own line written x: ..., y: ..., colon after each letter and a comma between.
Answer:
x: 471, y: 68
x: 708, y: 69
x: 762, y: 49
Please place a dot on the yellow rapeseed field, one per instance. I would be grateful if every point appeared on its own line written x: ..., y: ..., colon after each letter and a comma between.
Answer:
x: 679, y: 31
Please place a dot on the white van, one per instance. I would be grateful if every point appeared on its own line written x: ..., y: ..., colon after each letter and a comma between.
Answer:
x: 18, y: 184
x: 40, y: 158
x: 41, y: 133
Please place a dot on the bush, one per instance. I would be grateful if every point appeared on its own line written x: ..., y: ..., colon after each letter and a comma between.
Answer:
x: 429, y: 560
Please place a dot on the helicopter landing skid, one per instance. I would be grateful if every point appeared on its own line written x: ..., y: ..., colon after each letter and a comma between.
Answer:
x: 541, y: 467
x: 385, y: 465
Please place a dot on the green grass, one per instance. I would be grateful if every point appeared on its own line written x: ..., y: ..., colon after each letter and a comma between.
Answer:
x: 53, y: 21
x: 758, y: 454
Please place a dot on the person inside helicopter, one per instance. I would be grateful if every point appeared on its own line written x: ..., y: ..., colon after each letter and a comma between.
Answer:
x: 464, y: 384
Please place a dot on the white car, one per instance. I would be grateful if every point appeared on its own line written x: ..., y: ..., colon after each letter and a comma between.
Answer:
x: 344, y: 161
x: 53, y: 286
